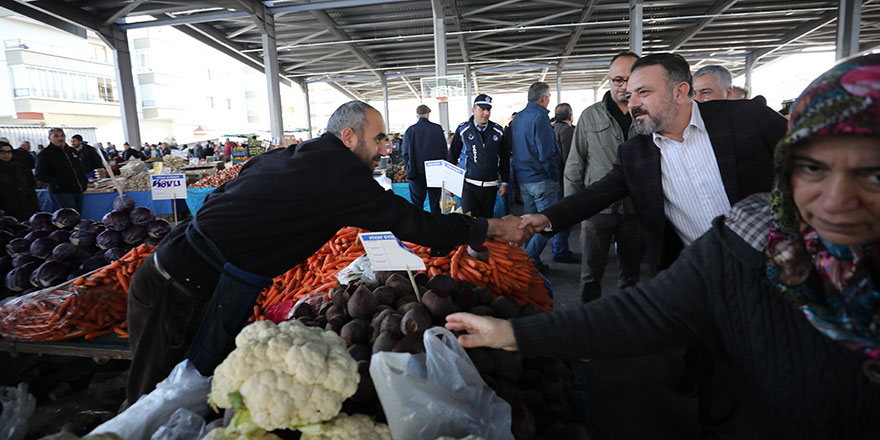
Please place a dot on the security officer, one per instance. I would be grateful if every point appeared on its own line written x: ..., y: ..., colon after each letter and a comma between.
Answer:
x: 479, y: 146
x: 423, y: 141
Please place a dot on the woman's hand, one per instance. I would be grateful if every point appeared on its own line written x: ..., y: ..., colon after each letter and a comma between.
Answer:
x: 482, y: 331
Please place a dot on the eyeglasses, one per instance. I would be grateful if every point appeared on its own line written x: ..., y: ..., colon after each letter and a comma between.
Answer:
x: 619, y: 80
x: 5, y: 151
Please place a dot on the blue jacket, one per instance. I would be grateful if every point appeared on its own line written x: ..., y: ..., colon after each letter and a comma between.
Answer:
x: 422, y: 141
x: 535, y: 151
x: 483, y: 154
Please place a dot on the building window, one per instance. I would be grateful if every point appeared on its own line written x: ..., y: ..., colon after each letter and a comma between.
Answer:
x: 105, y: 89
x: 142, y: 60
x: 208, y: 73
x: 38, y: 82
x: 228, y: 104
x: 99, y: 53
x: 210, y: 102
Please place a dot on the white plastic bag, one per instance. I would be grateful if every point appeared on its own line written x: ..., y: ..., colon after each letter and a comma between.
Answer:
x: 183, y: 388
x: 17, y: 408
x: 439, y: 393
x: 183, y: 425
x: 358, y: 271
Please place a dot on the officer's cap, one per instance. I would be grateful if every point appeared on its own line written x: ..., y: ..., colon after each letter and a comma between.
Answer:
x: 484, y: 101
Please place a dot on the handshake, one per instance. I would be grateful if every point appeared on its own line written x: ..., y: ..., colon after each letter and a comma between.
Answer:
x: 517, y: 229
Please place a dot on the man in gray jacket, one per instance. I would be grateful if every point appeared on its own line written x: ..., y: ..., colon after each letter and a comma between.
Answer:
x: 601, y: 128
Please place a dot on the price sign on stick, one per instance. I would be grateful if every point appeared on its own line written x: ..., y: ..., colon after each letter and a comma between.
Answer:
x: 386, y: 252
x: 168, y: 186
x: 442, y: 174
x: 434, y: 173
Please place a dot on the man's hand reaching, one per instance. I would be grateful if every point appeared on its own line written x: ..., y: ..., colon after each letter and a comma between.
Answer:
x: 508, y: 228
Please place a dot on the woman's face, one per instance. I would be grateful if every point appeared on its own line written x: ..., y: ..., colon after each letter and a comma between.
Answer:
x: 835, y: 181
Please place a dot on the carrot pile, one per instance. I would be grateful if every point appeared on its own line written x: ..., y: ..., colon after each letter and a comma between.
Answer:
x: 90, y: 306
x: 508, y: 272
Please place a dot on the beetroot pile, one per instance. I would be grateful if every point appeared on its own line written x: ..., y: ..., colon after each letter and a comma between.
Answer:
x: 388, y: 317
x: 49, y: 249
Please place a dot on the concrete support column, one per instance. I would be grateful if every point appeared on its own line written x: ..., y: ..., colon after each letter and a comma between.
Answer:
x: 118, y: 41
x: 750, y: 67
x: 559, y: 84
x: 849, y: 15
x: 635, y: 26
x: 440, y: 57
x: 468, y: 90
x: 385, y: 100
x: 273, y: 86
x: 595, y: 94
x: 304, y: 86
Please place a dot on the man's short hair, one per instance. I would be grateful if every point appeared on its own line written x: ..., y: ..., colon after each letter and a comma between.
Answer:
x: 720, y: 72
x: 677, y: 68
x: 562, y: 112
x: 538, y: 90
x: 625, y: 53
x: 352, y: 114
x: 55, y: 130
x: 77, y: 137
x: 742, y: 90
x: 422, y: 110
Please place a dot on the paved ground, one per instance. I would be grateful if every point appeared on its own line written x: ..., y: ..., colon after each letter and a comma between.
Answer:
x: 630, y: 398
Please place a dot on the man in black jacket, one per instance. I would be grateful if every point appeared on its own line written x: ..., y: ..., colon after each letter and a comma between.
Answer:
x: 423, y: 141
x: 130, y: 153
x: 87, y: 154
x: 200, y: 270
x: 60, y: 167
x: 25, y: 157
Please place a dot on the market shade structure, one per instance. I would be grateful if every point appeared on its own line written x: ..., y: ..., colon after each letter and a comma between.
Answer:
x: 367, y: 48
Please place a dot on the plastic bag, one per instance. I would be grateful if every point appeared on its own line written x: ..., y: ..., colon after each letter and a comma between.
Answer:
x: 183, y: 388
x: 183, y: 425
x: 359, y: 271
x: 439, y: 393
x: 283, y: 311
x: 62, y: 313
x: 18, y: 407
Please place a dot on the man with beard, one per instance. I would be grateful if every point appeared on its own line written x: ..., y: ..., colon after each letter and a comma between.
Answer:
x: 601, y: 128
x: 190, y: 299
x: 690, y: 162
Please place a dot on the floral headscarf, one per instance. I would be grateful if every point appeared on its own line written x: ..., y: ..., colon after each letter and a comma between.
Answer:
x: 833, y: 285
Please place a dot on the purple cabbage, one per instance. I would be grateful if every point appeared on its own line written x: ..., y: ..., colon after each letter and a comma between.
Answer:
x: 42, y: 247
x: 17, y: 246
x: 152, y: 241
x: 158, y: 228
x: 65, y: 218
x: 109, y: 239
x: 84, y: 224
x: 97, y: 228
x: 116, y: 220
x: 51, y: 273
x: 83, y: 238
x: 114, y: 254
x: 123, y: 203
x: 92, y: 263
x: 18, y: 279
x: 5, y: 237
x: 40, y: 220
x: 23, y: 259
x: 5, y: 264
x: 60, y: 236
x: 141, y: 215
x: 65, y: 252
x: 134, y: 234
x: 35, y: 234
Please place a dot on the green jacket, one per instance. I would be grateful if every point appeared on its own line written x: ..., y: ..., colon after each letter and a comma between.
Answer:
x: 594, y: 150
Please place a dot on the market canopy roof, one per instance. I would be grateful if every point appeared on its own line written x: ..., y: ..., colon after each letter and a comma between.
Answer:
x: 507, y: 44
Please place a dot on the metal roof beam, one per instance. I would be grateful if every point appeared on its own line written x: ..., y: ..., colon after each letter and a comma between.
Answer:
x: 490, y: 7
x: 717, y: 8
x: 796, y: 33
x: 539, y: 40
x: 241, y: 30
x: 320, y: 6
x: 411, y: 88
x: 315, y: 60
x: 578, y: 31
x: 511, y: 27
x: 51, y: 20
x: 354, y: 95
x: 323, y: 17
x: 122, y: 12
x: 189, y: 19
x: 530, y: 22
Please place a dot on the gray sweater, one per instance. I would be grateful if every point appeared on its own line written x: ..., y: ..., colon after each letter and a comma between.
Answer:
x: 800, y: 384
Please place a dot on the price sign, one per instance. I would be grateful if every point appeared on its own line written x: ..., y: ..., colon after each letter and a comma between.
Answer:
x: 439, y: 173
x: 178, y: 153
x: 168, y: 186
x: 386, y: 252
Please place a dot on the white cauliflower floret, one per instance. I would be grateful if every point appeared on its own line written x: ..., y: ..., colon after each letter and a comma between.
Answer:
x: 346, y: 427
x: 288, y: 375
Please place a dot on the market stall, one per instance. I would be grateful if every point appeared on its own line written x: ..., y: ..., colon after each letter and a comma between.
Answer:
x: 95, y: 205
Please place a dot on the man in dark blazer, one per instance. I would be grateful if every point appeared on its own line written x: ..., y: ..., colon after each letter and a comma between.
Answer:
x: 423, y: 141
x: 677, y: 189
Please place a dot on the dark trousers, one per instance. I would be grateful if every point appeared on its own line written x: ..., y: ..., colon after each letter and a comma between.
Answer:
x: 479, y: 201
x: 559, y: 242
x: 417, y: 190
x: 161, y: 323
x: 67, y: 200
x: 597, y: 233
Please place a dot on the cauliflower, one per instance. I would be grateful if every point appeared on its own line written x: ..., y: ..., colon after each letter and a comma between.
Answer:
x: 221, y: 434
x: 346, y: 427
x: 285, y: 376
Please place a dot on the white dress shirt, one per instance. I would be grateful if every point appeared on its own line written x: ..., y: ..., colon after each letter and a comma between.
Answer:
x: 693, y: 193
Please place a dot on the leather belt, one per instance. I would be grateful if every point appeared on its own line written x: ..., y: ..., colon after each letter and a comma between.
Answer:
x: 480, y: 182
x: 177, y: 285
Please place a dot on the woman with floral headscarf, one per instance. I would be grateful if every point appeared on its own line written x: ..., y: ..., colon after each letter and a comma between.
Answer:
x: 785, y: 286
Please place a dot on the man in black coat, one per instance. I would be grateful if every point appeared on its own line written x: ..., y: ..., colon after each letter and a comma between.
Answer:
x: 423, y: 141
x: 60, y: 167
x: 25, y: 157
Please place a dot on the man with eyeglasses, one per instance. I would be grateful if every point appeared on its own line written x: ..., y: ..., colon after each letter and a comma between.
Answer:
x: 60, y: 167
x: 600, y: 129
x: 17, y: 195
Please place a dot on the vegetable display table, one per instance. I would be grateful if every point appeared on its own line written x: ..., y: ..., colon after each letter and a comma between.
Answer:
x: 95, y: 205
x: 107, y: 347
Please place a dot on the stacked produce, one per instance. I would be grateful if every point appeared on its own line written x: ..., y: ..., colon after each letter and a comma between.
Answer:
x: 507, y: 271
x: 51, y: 248
x: 219, y: 178
x: 137, y: 182
x: 389, y: 317
x: 174, y: 164
x: 91, y: 306
x: 397, y: 173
